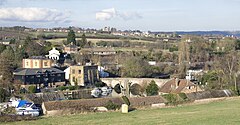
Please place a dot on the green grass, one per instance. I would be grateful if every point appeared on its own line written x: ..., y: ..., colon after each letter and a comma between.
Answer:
x: 224, y: 112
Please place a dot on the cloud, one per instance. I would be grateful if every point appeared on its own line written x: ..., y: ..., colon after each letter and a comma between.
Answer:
x: 32, y: 15
x: 108, y: 14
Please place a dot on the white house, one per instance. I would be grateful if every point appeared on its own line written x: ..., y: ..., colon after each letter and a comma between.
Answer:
x: 192, y: 73
x: 53, y: 54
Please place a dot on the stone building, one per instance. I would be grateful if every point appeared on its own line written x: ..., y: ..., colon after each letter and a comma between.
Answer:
x: 82, y: 75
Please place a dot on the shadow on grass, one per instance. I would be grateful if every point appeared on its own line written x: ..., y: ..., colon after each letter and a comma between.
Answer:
x: 131, y: 109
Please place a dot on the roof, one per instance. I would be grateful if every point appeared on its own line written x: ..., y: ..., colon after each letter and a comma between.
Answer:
x: 35, y: 71
x: 71, y: 45
x: 37, y: 57
x: 172, y: 86
x: 99, y: 49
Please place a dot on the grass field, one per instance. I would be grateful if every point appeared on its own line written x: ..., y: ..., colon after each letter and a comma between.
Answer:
x: 226, y: 112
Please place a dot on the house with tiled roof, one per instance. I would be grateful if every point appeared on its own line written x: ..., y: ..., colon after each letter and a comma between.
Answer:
x: 71, y: 48
x: 176, y: 85
x: 102, y: 51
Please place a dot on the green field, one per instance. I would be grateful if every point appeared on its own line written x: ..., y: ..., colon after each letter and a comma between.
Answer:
x: 226, y: 112
x: 98, y: 40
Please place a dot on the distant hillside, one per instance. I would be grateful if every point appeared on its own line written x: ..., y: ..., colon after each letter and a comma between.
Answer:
x: 6, y: 34
x: 213, y: 33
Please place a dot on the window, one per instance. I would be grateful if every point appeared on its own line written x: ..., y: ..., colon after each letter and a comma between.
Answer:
x: 27, y: 63
x: 45, y: 64
x: 73, y: 79
x: 35, y: 63
x: 73, y: 71
x: 79, y: 71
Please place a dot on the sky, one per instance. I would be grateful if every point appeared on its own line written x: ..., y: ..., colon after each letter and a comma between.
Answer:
x: 145, y: 15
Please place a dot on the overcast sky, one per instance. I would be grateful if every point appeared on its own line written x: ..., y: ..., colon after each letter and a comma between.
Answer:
x: 154, y: 15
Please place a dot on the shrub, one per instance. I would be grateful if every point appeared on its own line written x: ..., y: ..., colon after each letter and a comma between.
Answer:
x: 9, y: 110
x: 32, y: 89
x: 100, y: 84
x: 3, y: 94
x: 72, y: 87
x: 117, y: 88
x: 62, y: 88
x: 112, y: 106
x: 183, y: 96
x: 152, y: 89
x: 135, y: 89
x: 126, y: 100
x: 171, y: 99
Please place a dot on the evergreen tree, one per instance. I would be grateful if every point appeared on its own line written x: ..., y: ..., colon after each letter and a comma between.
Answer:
x: 152, y: 89
x: 71, y: 38
x: 6, y: 67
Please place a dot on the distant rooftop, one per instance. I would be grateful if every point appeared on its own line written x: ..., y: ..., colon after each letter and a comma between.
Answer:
x: 37, y: 57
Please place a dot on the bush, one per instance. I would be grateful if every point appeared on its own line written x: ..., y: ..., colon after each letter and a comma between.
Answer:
x: 3, y: 94
x: 173, y: 48
x: 100, y: 84
x: 32, y: 89
x: 117, y: 88
x: 135, y: 89
x: 152, y: 89
x: 72, y: 87
x: 61, y: 88
x: 183, y: 96
x: 126, y: 100
x: 9, y: 110
x: 112, y: 106
x: 171, y: 99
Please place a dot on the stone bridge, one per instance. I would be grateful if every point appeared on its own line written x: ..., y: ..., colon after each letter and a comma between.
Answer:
x: 141, y: 81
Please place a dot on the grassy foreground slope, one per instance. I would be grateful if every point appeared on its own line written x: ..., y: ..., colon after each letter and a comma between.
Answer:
x: 226, y: 112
